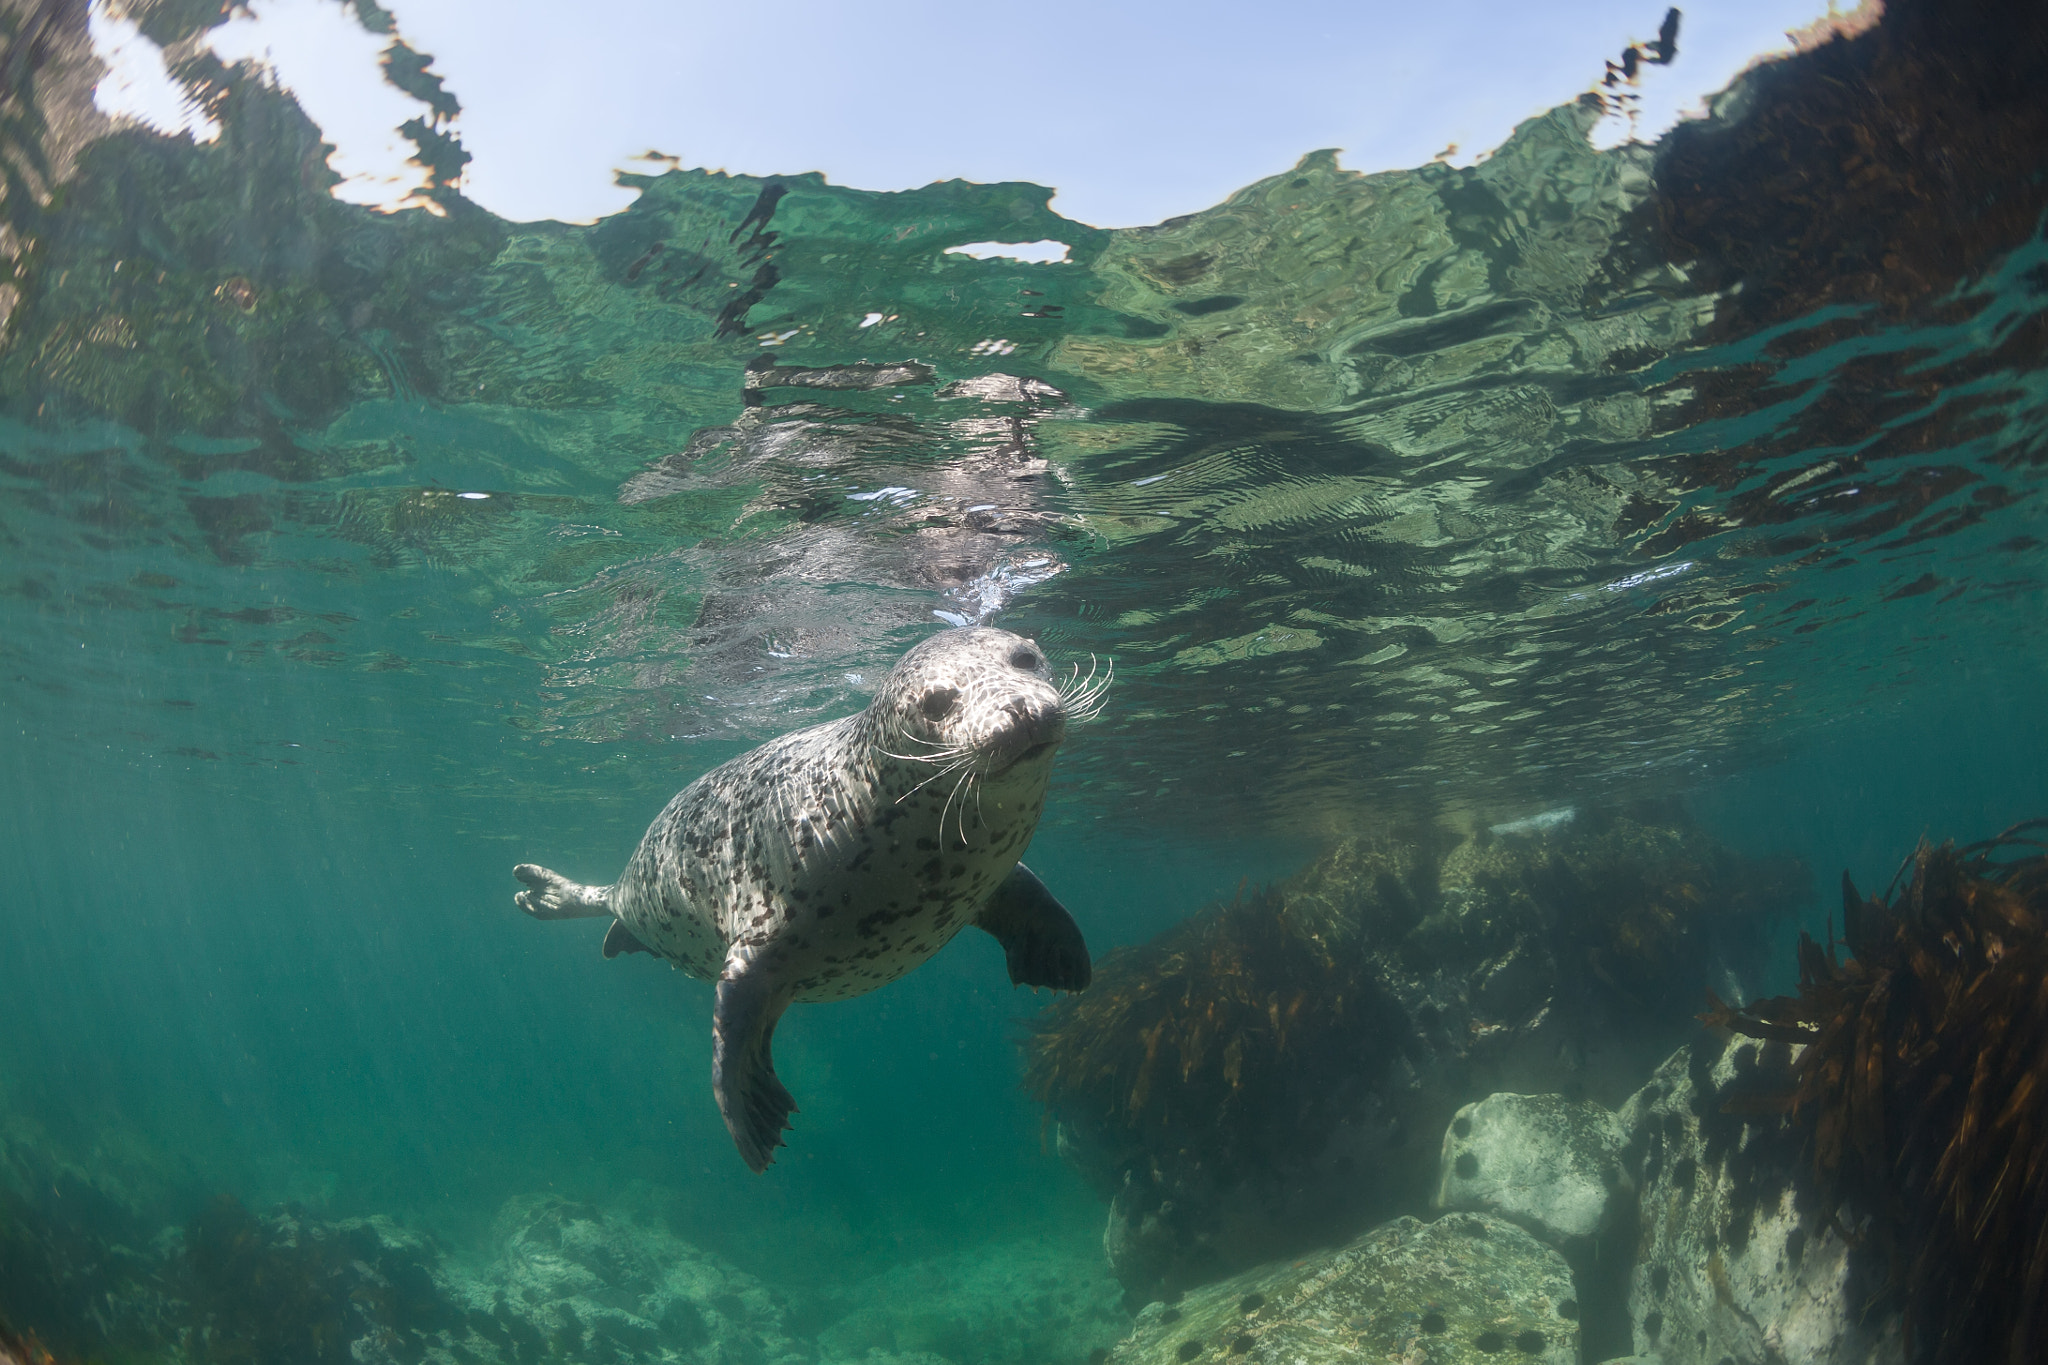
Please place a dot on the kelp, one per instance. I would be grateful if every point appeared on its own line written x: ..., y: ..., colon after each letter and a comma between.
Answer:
x: 1240, y: 1037
x: 1634, y: 902
x: 1922, y: 1089
x: 1228, y: 1036
x: 286, y: 1288
x: 22, y: 1348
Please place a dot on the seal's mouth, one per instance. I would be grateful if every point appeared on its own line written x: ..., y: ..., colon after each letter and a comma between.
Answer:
x: 1039, y: 750
x: 1033, y: 733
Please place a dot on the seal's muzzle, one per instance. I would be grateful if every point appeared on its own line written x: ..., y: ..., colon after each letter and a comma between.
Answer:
x: 1032, y: 728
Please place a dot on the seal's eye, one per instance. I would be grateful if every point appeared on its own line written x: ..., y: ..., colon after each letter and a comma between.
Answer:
x: 939, y: 702
x: 1024, y: 657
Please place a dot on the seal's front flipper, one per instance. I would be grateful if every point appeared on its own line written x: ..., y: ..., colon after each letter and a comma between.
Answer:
x: 619, y: 939
x: 1041, y: 943
x: 755, y: 1105
x: 550, y: 895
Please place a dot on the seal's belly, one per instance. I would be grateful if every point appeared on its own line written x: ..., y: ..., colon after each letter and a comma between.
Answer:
x: 686, y: 937
x: 830, y: 937
x: 838, y: 887
x: 868, y: 941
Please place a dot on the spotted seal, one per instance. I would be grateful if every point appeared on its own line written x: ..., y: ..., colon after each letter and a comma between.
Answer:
x: 836, y: 858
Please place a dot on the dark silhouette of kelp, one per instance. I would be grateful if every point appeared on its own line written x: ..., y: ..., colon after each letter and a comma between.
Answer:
x: 22, y: 1348
x: 290, y: 1289
x: 1922, y: 1089
x: 1235, y: 1032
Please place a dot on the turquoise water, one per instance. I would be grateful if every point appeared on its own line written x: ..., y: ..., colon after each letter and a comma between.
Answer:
x: 350, y: 559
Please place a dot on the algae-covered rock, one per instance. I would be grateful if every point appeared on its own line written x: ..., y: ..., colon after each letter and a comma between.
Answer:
x: 569, y: 1283
x: 1466, y: 1288
x: 287, y: 1286
x: 1732, y: 1264
x: 595, y: 1286
x: 1552, y: 1165
x: 77, y: 1268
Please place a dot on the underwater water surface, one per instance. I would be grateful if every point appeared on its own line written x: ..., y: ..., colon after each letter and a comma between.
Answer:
x: 349, y: 558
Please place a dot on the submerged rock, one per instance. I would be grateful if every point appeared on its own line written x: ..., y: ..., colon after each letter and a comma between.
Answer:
x: 1731, y: 1262
x: 291, y: 1287
x: 1550, y: 1164
x: 1691, y: 1229
x: 77, y: 1272
x: 1559, y: 1168
x: 569, y: 1283
x: 1466, y: 1288
x: 597, y: 1287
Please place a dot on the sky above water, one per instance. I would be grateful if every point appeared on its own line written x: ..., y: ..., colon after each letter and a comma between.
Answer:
x: 1137, y: 110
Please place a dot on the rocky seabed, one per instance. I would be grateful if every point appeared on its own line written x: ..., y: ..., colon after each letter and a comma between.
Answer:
x: 1667, y: 1232
x: 1664, y: 1232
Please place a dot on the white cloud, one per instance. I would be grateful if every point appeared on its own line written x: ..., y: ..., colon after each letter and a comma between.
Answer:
x: 138, y: 87
x: 1032, y: 253
x: 318, y: 51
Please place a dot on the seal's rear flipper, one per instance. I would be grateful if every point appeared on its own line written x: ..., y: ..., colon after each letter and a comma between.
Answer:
x: 755, y: 1105
x: 550, y: 895
x: 1041, y: 943
x: 619, y: 939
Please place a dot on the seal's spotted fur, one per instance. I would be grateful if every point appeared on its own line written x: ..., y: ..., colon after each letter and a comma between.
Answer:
x: 835, y: 859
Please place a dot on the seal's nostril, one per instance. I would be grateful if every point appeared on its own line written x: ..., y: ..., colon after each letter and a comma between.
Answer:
x: 939, y: 702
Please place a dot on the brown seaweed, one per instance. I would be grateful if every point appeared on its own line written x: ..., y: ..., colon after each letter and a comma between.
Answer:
x: 1922, y: 1089
x: 22, y: 1348
x: 1194, y: 1037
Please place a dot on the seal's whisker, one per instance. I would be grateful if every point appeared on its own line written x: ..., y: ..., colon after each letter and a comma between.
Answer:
x: 1098, y: 697
x: 938, y: 755
x: 1083, y: 698
x: 966, y: 778
x: 1102, y: 688
x: 1076, y: 684
x: 946, y: 808
x: 973, y: 784
x: 947, y: 770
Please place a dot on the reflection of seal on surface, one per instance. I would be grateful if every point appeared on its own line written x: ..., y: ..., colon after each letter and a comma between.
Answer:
x: 835, y: 859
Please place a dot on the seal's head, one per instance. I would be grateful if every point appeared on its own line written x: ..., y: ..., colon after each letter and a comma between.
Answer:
x: 978, y: 695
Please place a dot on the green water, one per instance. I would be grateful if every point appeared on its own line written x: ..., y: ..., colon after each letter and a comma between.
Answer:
x: 348, y: 559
